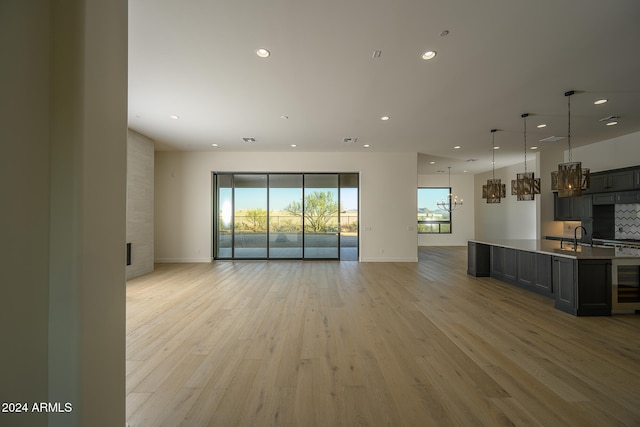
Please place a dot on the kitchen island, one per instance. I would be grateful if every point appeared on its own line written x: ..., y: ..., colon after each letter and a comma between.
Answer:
x: 578, y: 279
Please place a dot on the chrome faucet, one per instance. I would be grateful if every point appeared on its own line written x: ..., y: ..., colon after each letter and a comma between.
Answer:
x: 575, y: 236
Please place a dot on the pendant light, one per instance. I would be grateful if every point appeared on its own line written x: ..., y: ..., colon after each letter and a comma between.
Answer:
x: 525, y: 186
x: 452, y: 202
x: 495, y: 190
x: 570, y: 179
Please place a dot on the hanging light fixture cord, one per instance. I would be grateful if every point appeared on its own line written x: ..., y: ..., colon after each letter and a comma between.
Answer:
x: 568, y: 95
x: 524, y: 116
x: 493, y: 153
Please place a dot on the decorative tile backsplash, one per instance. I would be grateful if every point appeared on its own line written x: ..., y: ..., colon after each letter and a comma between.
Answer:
x: 628, y: 221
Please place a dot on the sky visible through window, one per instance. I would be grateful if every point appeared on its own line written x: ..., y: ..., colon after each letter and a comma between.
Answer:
x: 429, y: 197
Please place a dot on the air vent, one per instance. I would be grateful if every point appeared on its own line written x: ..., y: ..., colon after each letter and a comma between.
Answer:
x: 472, y: 160
x: 350, y: 140
x: 552, y: 139
x: 249, y: 139
x: 376, y: 54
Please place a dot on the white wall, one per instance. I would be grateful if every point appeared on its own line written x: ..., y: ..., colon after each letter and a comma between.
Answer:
x: 463, y: 227
x: 140, y: 203
x: 63, y: 167
x: 183, y: 198
x: 509, y: 219
x: 615, y: 153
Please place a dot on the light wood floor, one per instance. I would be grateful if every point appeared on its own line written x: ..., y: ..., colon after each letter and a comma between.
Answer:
x: 328, y: 343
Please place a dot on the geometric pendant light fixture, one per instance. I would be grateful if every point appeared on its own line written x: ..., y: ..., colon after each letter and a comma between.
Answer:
x: 525, y: 186
x: 494, y: 190
x: 570, y: 178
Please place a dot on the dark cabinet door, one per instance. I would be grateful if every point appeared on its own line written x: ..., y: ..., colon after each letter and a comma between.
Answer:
x: 636, y: 178
x: 564, y: 284
x: 511, y: 265
x: 594, y: 287
x: 604, y: 199
x: 599, y: 182
x: 628, y: 197
x: 562, y: 208
x: 544, y: 281
x: 497, y: 262
x: 527, y: 269
x: 622, y: 180
x: 584, y: 207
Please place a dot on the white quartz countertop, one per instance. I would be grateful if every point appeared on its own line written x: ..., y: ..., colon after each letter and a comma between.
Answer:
x: 553, y: 247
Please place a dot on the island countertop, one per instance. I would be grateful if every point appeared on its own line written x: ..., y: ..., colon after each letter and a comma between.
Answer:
x: 553, y: 247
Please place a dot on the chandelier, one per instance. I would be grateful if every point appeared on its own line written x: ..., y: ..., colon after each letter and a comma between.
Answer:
x: 525, y: 186
x: 494, y: 190
x: 570, y: 179
x: 450, y: 203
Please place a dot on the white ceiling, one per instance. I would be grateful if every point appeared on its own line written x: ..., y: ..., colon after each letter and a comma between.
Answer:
x: 196, y: 59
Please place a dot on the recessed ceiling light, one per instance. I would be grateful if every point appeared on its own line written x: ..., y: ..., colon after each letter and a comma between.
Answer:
x: 263, y: 53
x: 384, y: 118
x: 613, y: 123
x: 465, y: 171
x: 174, y: 117
x: 457, y: 147
x: 496, y: 148
x: 443, y: 34
x: 542, y: 125
x: 366, y: 145
x: 283, y: 117
x: 432, y: 163
x: 214, y: 145
x: 600, y: 101
x: 534, y: 147
x: 294, y: 145
x: 430, y: 54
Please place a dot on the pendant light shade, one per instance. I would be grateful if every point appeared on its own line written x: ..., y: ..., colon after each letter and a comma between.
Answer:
x: 494, y: 190
x: 570, y: 178
x: 525, y: 186
x: 452, y: 202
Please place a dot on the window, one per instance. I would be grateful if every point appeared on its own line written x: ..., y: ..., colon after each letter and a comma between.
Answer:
x: 431, y: 218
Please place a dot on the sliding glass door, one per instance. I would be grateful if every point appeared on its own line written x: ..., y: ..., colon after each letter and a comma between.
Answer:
x: 321, y: 235
x: 286, y: 216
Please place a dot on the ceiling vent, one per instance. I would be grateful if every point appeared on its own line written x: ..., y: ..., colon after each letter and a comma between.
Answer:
x: 249, y: 139
x: 350, y: 140
x: 552, y: 139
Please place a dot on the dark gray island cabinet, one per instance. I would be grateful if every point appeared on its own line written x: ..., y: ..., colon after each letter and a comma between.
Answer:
x: 579, y: 282
x: 582, y: 286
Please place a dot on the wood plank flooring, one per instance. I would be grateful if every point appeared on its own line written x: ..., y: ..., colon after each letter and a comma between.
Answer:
x: 296, y: 343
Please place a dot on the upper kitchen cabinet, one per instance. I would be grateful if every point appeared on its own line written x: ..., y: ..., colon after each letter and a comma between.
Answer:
x: 572, y: 208
x: 615, y: 180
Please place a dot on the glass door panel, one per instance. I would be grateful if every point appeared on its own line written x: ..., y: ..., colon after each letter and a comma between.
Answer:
x: 349, y: 216
x: 224, y: 221
x: 285, y: 216
x: 250, y: 216
x: 321, y: 216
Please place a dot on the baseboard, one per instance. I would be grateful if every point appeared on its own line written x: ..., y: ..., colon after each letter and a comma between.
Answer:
x: 386, y: 259
x: 180, y: 260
